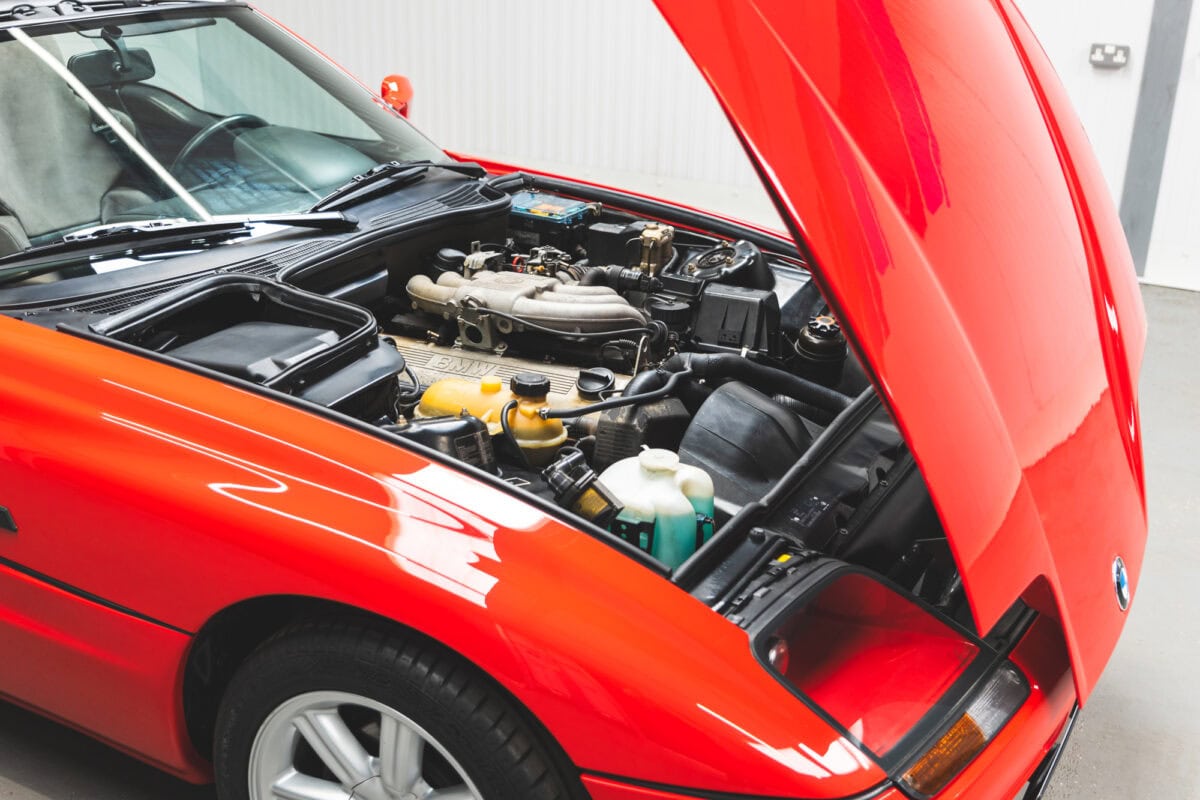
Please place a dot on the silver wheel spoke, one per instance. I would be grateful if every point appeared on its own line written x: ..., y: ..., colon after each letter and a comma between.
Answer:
x: 282, y: 767
x: 401, y: 755
x: 294, y: 786
x: 453, y: 793
x: 336, y: 746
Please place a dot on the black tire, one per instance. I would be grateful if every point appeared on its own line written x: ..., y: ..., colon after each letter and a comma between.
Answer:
x: 503, y: 751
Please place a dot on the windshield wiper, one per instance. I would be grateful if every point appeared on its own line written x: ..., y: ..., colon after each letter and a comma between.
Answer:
x: 143, y: 229
x: 141, y: 237
x: 387, y: 178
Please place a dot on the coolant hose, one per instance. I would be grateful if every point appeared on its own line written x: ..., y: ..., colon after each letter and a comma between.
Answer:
x: 595, y: 276
x: 627, y: 398
x: 726, y: 366
x: 820, y: 416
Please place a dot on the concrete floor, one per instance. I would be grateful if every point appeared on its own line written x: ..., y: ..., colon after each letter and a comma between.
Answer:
x: 1135, y: 739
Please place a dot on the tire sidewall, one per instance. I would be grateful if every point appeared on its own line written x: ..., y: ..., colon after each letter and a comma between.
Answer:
x: 284, y: 669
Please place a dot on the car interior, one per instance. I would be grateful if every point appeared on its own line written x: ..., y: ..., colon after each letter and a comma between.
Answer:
x: 72, y: 170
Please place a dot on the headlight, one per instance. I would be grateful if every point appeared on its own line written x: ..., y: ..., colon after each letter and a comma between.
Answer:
x: 916, y: 692
x: 869, y: 657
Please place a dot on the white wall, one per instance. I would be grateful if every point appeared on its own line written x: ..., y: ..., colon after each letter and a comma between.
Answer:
x: 1105, y: 99
x: 595, y: 90
x: 1174, y: 258
x: 629, y: 108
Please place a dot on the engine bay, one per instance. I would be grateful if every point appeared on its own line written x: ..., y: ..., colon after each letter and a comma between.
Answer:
x: 685, y: 394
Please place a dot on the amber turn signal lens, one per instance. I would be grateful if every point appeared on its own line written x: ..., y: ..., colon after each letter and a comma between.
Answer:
x: 953, y: 751
x: 992, y: 707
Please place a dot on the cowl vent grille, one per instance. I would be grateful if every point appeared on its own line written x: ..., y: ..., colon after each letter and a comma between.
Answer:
x: 262, y: 267
x: 462, y: 197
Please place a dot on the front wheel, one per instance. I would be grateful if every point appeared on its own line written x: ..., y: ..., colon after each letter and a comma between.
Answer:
x: 329, y: 711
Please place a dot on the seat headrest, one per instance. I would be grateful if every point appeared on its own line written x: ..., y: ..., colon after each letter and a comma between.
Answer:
x: 53, y: 168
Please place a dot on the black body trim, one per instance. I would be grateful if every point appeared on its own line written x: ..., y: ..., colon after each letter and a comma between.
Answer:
x: 1039, y: 782
x: 88, y: 596
x: 39, y: 12
x: 7, y: 523
x: 875, y: 791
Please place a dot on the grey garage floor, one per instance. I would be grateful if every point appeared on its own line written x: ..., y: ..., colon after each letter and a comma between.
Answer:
x: 1136, y: 738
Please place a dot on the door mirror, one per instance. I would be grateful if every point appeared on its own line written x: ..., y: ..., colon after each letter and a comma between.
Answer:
x: 397, y: 92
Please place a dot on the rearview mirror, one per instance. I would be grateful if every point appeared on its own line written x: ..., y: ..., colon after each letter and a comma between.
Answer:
x: 397, y: 92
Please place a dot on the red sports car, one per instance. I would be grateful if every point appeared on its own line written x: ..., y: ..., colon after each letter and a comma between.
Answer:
x: 334, y: 466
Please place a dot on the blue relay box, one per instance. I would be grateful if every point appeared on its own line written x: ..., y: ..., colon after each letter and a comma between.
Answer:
x: 538, y: 219
x: 559, y: 210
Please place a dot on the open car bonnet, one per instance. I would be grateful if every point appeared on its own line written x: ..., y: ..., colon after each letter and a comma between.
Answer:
x: 927, y: 159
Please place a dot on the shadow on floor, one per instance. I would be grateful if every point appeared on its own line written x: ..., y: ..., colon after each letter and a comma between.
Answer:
x: 41, y: 759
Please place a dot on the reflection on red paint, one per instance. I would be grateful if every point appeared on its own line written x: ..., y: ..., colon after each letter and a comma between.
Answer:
x: 872, y: 659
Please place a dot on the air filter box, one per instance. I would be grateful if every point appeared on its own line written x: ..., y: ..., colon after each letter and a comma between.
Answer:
x: 733, y: 318
x: 727, y: 436
x: 322, y: 350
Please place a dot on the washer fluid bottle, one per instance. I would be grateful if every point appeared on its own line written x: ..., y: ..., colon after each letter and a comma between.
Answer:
x: 668, y: 506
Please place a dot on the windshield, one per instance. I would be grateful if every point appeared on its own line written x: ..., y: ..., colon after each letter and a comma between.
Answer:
x: 177, y: 115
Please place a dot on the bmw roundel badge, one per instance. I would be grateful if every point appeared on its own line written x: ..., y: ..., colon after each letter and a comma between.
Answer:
x: 1121, y: 582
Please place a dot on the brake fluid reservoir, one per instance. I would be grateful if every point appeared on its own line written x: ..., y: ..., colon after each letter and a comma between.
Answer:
x: 668, y: 506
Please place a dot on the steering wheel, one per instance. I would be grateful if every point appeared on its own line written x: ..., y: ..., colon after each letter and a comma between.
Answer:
x: 223, y: 125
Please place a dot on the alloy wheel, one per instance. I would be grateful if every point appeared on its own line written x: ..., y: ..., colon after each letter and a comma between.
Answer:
x: 331, y: 745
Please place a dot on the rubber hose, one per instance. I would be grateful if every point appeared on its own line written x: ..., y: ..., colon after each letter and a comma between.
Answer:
x: 820, y: 416
x: 726, y: 366
x: 626, y: 399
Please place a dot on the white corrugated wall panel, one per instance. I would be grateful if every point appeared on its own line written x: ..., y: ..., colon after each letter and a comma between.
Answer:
x: 1174, y: 258
x: 602, y: 90
x: 1105, y: 99
x: 598, y: 90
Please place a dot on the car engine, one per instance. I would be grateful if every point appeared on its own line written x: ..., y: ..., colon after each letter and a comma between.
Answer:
x: 649, y: 376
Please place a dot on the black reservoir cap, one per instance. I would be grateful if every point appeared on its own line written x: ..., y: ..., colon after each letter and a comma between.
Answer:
x: 530, y: 384
x: 594, y: 382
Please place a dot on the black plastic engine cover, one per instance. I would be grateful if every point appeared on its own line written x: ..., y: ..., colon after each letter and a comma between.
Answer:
x: 325, y: 351
x: 745, y: 441
x: 256, y: 351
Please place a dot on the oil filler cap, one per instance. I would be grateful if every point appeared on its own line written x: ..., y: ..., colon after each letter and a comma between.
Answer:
x: 594, y: 382
x: 530, y: 384
x: 824, y: 326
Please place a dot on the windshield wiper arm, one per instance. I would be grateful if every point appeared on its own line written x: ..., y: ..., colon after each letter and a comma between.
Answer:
x: 388, y: 177
x: 139, y: 230
x: 140, y: 237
